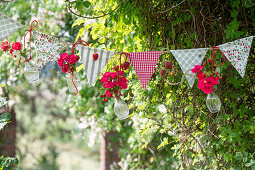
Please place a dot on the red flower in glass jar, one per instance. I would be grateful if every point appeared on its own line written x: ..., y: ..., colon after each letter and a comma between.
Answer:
x: 16, y: 46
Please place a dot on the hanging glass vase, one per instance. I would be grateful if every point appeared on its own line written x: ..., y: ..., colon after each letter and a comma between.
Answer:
x: 76, y: 80
x: 31, y: 73
x: 2, y: 101
x: 213, y: 102
x: 121, y: 109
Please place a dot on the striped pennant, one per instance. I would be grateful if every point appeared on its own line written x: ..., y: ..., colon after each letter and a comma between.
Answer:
x: 8, y: 26
x: 144, y: 64
x: 92, y: 67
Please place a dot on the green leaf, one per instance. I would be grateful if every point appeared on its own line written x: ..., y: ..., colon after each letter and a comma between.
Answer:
x: 86, y: 4
x: 239, y: 156
x: 163, y: 143
x: 4, y: 119
x: 78, y: 22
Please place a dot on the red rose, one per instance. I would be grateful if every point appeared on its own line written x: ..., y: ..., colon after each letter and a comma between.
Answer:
x: 115, y: 83
x: 120, y: 73
x: 201, y: 84
x: 104, y: 79
x: 105, y: 100
x: 107, y: 74
x: 72, y: 59
x: 210, y: 81
x: 65, y: 68
x: 108, y: 94
x: 197, y: 69
x: 63, y: 56
x: 207, y: 90
x: 16, y: 46
x: 123, y: 79
x: 201, y: 75
x: 11, y: 51
x: 124, y: 85
x: 5, y: 46
x: 108, y: 85
x: 61, y: 62
x: 113, y: 75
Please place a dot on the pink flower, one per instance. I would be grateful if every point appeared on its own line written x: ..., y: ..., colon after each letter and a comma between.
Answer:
x: 207, y: 90
x: 201, y: 75
x: 107, y: 74
x: 61, y: 62
x: 5, y: 46
x: 65, y: 68
x: 63, y: 56
x: 113, y: 75
x: 16, y: 46
x: 197, y: 69
x: 108, y: 94
x: 108, y: 85
x: 104, y: 79
x: 72, y: 59
x: 120, y: 73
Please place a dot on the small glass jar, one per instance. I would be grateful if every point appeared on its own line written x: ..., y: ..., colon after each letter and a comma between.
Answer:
x: 213, y: 102
x: 121, y: 109
x: 76, y: 80
x: 2, y: 101
x: 31, y: 73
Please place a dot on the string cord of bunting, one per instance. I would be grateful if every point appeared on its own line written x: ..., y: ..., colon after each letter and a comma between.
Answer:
x: 144, y: 63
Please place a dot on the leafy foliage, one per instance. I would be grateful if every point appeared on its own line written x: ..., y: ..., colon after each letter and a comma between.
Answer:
x: 7, y: 162
x: 170, y: 125
x: 4, y: 119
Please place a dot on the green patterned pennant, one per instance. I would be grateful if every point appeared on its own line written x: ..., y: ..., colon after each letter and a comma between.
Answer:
x: 91, y: 66
x: 8, y: 26
x: 187, y: 59
x: 237, y: 52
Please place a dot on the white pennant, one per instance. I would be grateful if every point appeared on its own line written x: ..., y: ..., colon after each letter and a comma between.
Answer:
x: 187, y: 59
x: 8, y: 26
x: 91, y: 66
x: 237, y: 52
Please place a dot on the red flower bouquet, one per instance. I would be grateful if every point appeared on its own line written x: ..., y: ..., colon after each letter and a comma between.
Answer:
x: 113, y: 83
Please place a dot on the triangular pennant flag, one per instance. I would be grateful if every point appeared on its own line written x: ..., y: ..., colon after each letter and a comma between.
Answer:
x: 237, y: 52
x: 187, y: 59
x: 94, y: 67
x: 144, y: 64
x: 47, y: 48
x: 8, y: 26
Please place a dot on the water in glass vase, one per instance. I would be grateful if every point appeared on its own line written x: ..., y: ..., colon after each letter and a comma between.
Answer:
x: 121, y: 109
x: 30, y: 73
x: 213, y: 102
x: 76, y: 80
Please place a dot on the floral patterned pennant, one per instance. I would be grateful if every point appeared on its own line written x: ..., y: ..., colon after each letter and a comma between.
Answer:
x: 237, y: 52
x: 47, y: 48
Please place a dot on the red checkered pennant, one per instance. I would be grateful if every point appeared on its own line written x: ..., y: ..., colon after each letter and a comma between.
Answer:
x: 144, y: 64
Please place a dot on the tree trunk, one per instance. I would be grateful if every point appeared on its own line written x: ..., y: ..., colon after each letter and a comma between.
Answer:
x: 109, y: 151
x: 8, y: 135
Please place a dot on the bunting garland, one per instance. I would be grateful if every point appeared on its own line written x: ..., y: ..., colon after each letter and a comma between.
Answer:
x: 8, y: 26
x: 47, y: 48
x: 187, y: 59
x: 237, y: 52
x: 93, y: 65
x: 144, y: 64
